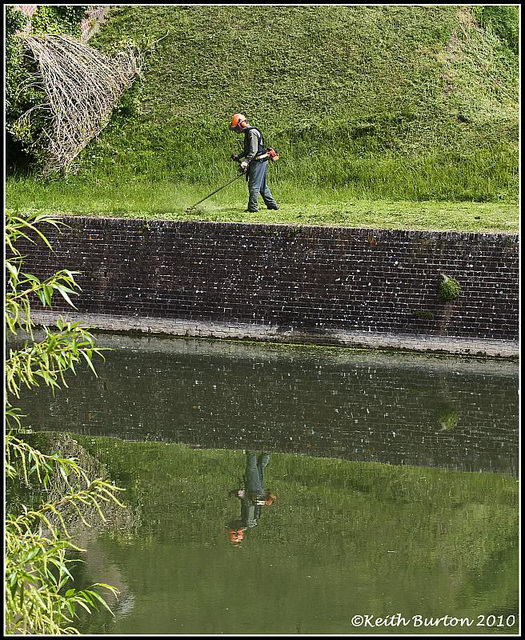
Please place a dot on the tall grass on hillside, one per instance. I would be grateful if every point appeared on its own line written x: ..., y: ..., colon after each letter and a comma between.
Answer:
x: 403, y: 103
x: 410, y: 103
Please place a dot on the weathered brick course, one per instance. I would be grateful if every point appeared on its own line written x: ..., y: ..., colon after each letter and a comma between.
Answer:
x: 305, y: 278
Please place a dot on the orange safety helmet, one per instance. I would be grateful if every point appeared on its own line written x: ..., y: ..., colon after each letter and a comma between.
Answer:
x: 238, y: 122
x: 236, y: 535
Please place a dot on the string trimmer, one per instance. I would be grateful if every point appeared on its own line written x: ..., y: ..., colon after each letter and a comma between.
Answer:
x: 216, y: 190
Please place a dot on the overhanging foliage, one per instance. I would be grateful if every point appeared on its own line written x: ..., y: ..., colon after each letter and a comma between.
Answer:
x: 81, y: 87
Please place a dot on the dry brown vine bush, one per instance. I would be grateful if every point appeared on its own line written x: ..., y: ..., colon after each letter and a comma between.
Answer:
x: 82, y: 86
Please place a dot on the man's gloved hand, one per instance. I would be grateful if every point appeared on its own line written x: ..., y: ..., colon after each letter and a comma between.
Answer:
x: 244, y: 167
x: 235, y: 157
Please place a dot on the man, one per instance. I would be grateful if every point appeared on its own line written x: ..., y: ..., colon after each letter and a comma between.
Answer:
x: 253, y: 496
x: 254, y: 162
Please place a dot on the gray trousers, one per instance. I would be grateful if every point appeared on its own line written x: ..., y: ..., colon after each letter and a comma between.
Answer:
x: 254, y: 473
x: 257, y: 184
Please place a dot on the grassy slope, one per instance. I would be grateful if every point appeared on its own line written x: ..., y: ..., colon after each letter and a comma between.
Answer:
x: 377, y: 103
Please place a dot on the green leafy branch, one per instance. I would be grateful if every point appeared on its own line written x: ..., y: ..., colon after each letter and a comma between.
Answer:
x: 37, y: 574
x: 22, y: 288
x: 37, y: 566
x: 49, y: 359
x: 37, y: 541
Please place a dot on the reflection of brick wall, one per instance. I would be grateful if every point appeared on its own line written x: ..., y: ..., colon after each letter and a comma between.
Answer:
x: 89, y: 26
x: 313, y: 279
x: 363, y: 407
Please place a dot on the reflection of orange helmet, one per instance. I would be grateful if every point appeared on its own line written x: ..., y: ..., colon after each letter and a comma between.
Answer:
x: 236, y: 535
x: 238, y: 121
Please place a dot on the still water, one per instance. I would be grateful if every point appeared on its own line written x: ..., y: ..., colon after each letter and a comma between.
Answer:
x: 389, y: 488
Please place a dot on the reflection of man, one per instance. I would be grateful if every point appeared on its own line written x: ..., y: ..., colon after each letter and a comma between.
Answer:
x: 252, y: 496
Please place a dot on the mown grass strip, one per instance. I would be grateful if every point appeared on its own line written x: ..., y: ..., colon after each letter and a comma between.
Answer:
x: 304, y: 206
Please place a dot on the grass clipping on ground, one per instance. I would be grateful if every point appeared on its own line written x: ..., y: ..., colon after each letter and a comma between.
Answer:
x: 169, y: 201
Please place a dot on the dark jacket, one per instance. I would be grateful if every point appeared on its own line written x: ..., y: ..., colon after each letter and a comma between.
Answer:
x: 253, y: 144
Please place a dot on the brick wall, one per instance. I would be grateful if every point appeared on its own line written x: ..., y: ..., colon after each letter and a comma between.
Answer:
x: 89, y: 25
x: 315, y: 279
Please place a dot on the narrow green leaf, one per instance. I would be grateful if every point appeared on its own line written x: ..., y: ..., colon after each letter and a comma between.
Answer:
x: 63, y: 293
